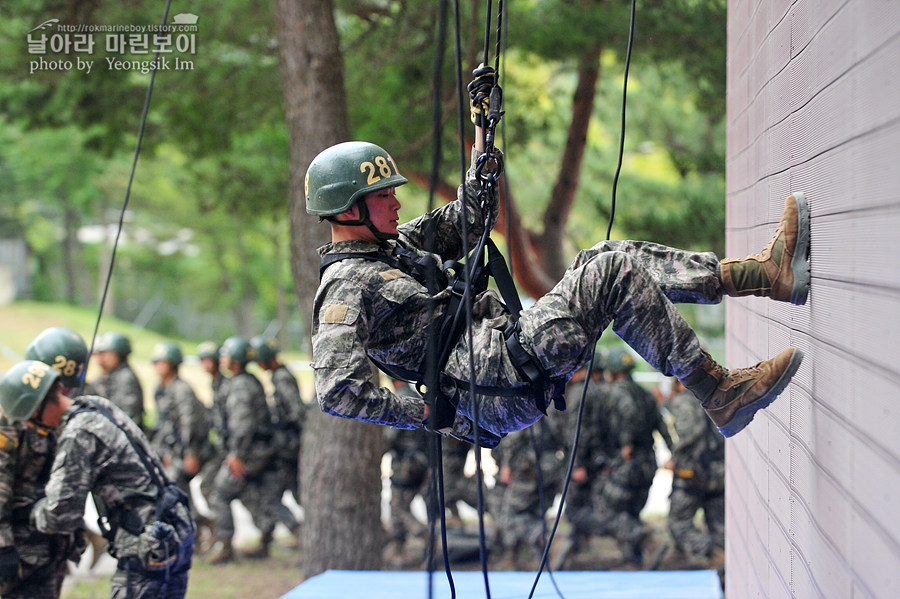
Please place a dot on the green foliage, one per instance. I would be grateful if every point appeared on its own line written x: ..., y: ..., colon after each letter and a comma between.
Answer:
x: 206, y: 227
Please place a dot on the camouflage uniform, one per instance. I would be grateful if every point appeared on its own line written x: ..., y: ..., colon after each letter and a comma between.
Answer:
x: 220, y: 436
x: 122, y: 387
x: 26, y: 454
x: 409, y: 474
x: 95, y: 456
x: 182, y: 428
x: 699, y: 481
x: 521, y: 518
x: 597, y: 448
x: 457, y: 486
x: 248, y: 436
x: 288, y: 413
x: 365, y: 308
x: 634, y: 416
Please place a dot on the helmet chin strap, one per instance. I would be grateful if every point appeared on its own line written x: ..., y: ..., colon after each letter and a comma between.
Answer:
x: 367, y: 222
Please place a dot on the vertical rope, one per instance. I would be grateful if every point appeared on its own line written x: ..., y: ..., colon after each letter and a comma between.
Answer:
x: 137, y: 153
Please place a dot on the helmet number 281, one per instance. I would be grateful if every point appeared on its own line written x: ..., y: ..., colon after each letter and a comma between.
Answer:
x: 381, y: 168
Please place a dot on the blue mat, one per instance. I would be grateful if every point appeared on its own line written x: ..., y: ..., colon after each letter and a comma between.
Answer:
x: 339, y: 584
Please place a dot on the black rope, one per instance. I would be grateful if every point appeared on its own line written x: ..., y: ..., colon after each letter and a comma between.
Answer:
x: 612, y: 209
x: 590, y: 365
x: 436, y: 501
x: 467, y: 302
x: 137, y: 153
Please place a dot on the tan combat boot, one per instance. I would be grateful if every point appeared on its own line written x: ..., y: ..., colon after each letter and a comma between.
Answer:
x: 781, y: 269
x: 732, y: 397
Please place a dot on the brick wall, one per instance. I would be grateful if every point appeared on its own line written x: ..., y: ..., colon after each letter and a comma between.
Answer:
x: 814, y: 483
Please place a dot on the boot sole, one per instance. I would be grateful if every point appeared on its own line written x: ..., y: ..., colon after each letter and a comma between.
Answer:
x: 800, y: 259
x: 745, y: 415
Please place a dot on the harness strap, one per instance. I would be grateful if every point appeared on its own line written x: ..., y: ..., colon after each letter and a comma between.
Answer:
x: 490, y: 263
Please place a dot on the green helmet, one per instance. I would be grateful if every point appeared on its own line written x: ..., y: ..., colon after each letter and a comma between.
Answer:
x: 266, y: 349
x: 208, y: 349
x: 620, y: 360
x: 114, y: 342
x: 64, y: 350
x: 24, y: 387
x: 167, y: 351
x: 342, y: 174
x: 238, y: 349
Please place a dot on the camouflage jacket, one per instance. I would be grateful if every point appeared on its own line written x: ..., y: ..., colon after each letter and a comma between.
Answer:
x: 218, y: 418
x: 699, y: 453
x: 182, y: 421
x: 95, y: 456
x: 635, y: 416
x: 366, y: 309
x: 287, y: 405
x: 248, y: 422
x: 122, y: 387
x: 597, y: 444
x: 26, y: 454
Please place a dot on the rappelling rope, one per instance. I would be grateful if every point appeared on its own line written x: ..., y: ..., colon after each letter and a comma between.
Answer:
x: 590, y: 365
x: 137, y: 153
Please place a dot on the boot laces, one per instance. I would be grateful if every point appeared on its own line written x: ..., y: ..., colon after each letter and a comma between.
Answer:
x: 742, y: 374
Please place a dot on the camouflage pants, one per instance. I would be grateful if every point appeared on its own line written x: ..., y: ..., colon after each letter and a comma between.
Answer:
x: 262, y: 497
x: 684, y: 505
x: 44, y: 582
x: 633, y: 285
x: 227, y: 488
x: 132, y: 585
x: 403, y: 522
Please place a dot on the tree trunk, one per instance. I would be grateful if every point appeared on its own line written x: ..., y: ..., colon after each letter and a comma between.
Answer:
x: 70, y: 239
x: 341, y: 473
x: 552, y: 254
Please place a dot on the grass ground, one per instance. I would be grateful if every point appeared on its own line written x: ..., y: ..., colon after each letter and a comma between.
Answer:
x: 245, y: 579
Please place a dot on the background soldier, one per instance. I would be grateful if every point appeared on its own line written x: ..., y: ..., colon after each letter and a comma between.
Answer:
x: 457, y: 486
x: 698, y: 464
x: 208, y: 353
x: 595, y: 453
x: 248, y: 447
x: 634, y: 417
x: 287, y: 412
x: 182, y: 421
x: 101, y: 451
x: 33, y: 564
x: 521, y: 519
x: 118, y: 383
x: 409, y: 474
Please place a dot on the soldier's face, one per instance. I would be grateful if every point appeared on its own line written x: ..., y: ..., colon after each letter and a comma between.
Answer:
x: 383, y: 209
x: 107, y: 360
x: 162, y: 368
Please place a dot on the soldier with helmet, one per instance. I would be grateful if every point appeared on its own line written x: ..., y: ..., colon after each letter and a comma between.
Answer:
x: 287, y: 412
x: 208, y: 353
x: 33, y: 564
x: 288, y: 409
x: 182, y: 429
x: 377, y: 301
x: 118, y: 383
x: 633, y: 417
x: 248, y: 446
x: 101, y: 451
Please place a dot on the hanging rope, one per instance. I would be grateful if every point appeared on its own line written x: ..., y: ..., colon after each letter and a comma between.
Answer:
x: 590, y: 366
x: 137, y: 153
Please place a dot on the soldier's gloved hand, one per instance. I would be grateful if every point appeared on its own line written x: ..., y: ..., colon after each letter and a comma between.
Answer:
x: 480, y: 92
x: 9, y: 562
